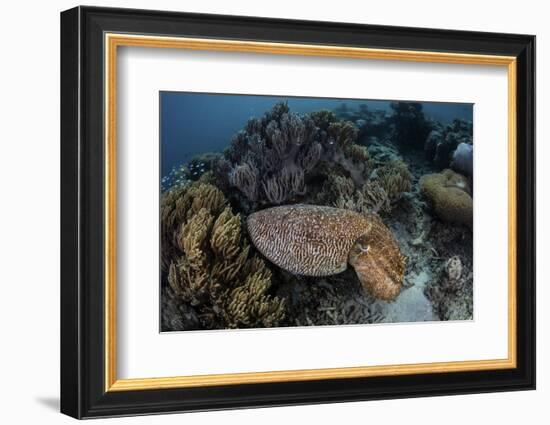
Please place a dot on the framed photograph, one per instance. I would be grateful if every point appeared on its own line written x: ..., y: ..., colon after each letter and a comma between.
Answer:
x: 261, y: 212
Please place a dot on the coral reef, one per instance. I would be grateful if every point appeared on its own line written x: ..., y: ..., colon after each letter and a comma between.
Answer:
x: 410, y: 127
x: 395, y: 179
x: 449, y: 195
x: 370, y: 123
x: 177, y: 315
x: 452, y: 294
x: 201, y: 164
x: 443, y: 141
x: 371, y: 198
x: 319, y: 241
x: 193, y: 170
x: 211, y: 274
x: 178, y: 176
x: 179, y: 205
x: 278, y: 158
x: 375, y: 169
x: 378, y: 195
x: 330, y: 300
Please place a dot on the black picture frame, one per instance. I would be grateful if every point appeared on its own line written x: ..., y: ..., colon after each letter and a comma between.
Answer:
x: 83, y: 392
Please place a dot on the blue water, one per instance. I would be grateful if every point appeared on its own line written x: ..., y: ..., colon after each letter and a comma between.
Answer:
x: 195, y: 123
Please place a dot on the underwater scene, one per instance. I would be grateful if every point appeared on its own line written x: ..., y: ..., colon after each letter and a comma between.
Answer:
x: 295, y: 211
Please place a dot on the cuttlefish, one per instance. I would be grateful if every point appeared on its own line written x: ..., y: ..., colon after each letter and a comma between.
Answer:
x: 315, y: 240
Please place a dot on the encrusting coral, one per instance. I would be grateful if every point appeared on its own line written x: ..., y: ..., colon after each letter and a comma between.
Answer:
x: 275, y: 157
x: 208, y: 262
x: 449, y: 194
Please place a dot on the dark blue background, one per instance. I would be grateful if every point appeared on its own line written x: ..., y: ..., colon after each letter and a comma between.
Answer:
x: 195, y: 123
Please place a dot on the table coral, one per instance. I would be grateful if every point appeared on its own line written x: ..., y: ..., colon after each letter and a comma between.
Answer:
x: 449, y: 194
x: 209, y: 265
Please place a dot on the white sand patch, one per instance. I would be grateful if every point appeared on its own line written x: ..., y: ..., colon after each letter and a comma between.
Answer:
x: 411, y: 305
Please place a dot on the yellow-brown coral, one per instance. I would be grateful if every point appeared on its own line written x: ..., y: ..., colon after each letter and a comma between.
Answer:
x: 395, y: 179
x: 209, y: 265
x: 449, y: 195
x: 177, y: 206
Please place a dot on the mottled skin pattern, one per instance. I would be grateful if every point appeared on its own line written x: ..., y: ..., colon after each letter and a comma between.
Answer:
x: 319, y: 241
x: 378, y: 262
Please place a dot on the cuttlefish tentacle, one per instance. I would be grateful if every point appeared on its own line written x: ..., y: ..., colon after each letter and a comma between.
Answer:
x: 379, y: 264
x: 320, y: 241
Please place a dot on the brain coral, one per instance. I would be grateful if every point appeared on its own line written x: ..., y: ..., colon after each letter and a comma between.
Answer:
x: 208, y: 261
x: 449, y: 194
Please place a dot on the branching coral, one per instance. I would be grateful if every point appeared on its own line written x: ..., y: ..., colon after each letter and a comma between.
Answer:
x: 335, y: 186
x: 452, y: 294
x: 209, y: 264
x: 178, y: 205
x: 372, y: 198
x: 249, y: 306
x: 376, y: 195
x: 443, y: 141
x: 395, y: 178
x: 245, y: 177
x: 449, y: 194
x: 275, y: 157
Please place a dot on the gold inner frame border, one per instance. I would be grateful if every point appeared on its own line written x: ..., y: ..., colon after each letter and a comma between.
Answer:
x: 111, y: 43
